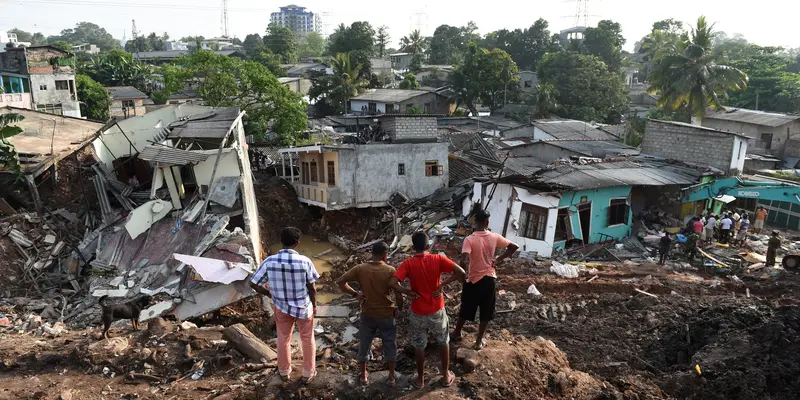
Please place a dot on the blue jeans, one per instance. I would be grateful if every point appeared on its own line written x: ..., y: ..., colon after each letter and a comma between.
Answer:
x: 370, y: 327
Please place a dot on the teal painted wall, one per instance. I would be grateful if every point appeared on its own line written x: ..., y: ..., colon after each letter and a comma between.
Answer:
x: 600, y: 198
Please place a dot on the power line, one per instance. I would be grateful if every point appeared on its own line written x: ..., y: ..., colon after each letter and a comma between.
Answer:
x: 131, y: 5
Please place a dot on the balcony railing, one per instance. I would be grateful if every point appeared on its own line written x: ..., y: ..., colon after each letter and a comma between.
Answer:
x: 316, y: 195
x: 19, y: 100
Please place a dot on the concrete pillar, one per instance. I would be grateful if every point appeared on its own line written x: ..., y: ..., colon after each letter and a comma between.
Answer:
x: 176, y: 172
x: 283, y: 165
x: 37, y: 200
x: 54, y: 175
x: 173, y: 188
x: 291, y: 168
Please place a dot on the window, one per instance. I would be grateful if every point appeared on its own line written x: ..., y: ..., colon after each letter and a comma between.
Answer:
x: 304, y: 173
x: 528, y: 84
x: 331, y: 173
x: 432, y: 168
x: 409, y: 107
x: 401, y: 169
x: 42, y: 87
x: 427, y: 108
x: 532, y: 222
x: 618, y: 212
x: 128, y: 104
x: 50, y: 108
x: 563, y: 225
x: 740, y: 150
x: 389, y: 108
x: 767, y: 139
x: 372, y: 108
x: 62, y: 85
x: 313, y: 169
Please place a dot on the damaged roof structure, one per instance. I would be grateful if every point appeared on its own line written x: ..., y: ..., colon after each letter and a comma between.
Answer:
x: 177, y: 217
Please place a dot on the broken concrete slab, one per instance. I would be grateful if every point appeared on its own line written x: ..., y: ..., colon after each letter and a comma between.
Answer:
x: 116, y: 281
x: 225, y: 191
x: 19, y: 238
x: 49, y: 239
x: 212, y: 298
x: 156, y: 310
x: 143, y: 217
x: 110, y: 292
x: 213, y: 270
x: 191, y: 214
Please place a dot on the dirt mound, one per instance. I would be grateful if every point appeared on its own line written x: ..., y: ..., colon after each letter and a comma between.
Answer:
x: 742, y: 352
x: 278, y: 207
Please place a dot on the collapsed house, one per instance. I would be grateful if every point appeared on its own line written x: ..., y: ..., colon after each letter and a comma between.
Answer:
x: 575, y: 204
x: 177, y: 217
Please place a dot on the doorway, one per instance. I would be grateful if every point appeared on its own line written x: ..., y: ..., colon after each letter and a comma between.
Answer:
x: 585, y: 217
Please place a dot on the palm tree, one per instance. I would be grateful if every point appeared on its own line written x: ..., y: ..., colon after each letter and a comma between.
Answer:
x: 413, y: 43
x: 692, y: 79
x: 348, y: 76
x: 546, y: 100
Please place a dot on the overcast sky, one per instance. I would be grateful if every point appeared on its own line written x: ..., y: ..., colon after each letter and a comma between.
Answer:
x: 766, y: 22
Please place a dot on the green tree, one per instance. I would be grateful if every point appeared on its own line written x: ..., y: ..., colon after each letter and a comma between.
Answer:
x: 281, y: 41
x: 382, y: 40
x: 35, y: 39
x: 192, y: 39
x: 585, y: 89
x: 252, y: 42
x: 62, y: 45
x: 118, y: 68
x: 670, y: 26
x: 413, y: 43
x: 38, y: 39
x: 9, y: 158
x: 311, y: 45
x: 694, y: 79
x: 415, y: 65
x: 346, y: 82
x: 358, y: 37
x: 409, y: 82
x: 273, y: 62
x: 526, y: 46
x: 231, y: 82
x: 605, y: 41
x: 485, y: 76
x: 87, y: 32
x: 94, y: 98
x: 771, y: 86
x: 448, y: 44
x: 546, y: 100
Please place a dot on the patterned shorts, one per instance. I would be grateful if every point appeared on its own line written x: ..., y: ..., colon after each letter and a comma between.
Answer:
x: 436, y: 323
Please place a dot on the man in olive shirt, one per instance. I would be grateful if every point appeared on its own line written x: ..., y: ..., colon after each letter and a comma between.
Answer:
x: 378, y: 312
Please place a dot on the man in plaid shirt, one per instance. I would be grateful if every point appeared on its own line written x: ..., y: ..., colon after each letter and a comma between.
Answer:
x: 291, y: 278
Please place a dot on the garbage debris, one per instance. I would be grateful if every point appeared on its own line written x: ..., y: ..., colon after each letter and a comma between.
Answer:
x: 564, y: 270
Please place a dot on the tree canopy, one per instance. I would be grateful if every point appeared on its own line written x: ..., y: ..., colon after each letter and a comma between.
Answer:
x: 382, y: 40
x: 526, y: 46
x: 87, y: 32
x: 333, y: 91
x: 227, y: 81
x: 281, y: 41
x: 413, y: 43
x: 605, y: 41
x: 448, y: 44
x: 118, y: 68
x: 486, y: 76
x: 94, y: 98
x: 311, y: 45
x: 584, y: 87
x: 358, y: 37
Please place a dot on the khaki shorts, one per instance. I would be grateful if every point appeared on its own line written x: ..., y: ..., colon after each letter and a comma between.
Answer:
x: 758, y: 224
x: 436, y: 324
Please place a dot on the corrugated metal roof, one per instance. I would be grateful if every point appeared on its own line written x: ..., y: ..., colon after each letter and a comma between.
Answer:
x: 461, y: 169
x: 618, y: 173
x: 213, y: 124
x: 594, y: 148
x: 572, y: 129
x: 389, y: 95
x: 125, y: 93
x: 171, y: 155
x: 752, y: 117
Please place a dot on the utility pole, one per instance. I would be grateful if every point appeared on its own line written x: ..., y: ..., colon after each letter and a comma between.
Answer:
x: 757, y: 93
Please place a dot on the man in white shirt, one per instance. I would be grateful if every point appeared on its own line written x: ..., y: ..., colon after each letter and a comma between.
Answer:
x: 711, y: 223
x: 725, y: 229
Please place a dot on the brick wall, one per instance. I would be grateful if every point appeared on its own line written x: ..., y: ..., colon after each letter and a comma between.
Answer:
x: 689, y: 144
x: 410, y: 127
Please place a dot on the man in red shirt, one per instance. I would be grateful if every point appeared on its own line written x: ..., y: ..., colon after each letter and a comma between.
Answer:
x: 424, y: 271
x: 479, y: 289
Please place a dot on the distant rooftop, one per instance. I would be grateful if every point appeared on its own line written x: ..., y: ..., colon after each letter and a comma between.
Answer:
x: 125, y: 93
x: 572, y: 129
x: 389, y: 95
x: 704, y: 128
x: 752, y: 117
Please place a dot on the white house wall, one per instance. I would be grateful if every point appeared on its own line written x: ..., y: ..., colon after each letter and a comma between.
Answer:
x: 739, y: 152
x: 228, y: 166
x: 356, y: 106
x: 498, y: 208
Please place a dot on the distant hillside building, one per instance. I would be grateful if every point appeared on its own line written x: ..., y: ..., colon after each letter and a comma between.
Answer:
x: 298, y: 20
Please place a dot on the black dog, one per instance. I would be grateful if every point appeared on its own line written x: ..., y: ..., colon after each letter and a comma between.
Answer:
x: 129, y: 310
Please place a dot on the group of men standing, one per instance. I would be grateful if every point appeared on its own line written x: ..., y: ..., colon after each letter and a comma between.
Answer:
x: 291, y: 279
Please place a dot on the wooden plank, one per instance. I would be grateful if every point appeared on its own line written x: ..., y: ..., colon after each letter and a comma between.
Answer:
x: 709, y: 256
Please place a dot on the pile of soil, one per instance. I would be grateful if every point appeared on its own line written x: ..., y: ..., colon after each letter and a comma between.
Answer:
x: 278, y: 208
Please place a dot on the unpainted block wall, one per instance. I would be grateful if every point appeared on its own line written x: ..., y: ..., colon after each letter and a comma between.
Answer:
x: 410, y: 127
x: 684, y: 143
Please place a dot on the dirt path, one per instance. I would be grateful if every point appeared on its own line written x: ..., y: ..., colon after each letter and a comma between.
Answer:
x: 580, y: 340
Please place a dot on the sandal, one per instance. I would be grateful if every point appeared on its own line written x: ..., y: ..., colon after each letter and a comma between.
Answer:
x: 451, y: 377
x: 416, y: 385
x: 307, y: 380
x: 479, y: 346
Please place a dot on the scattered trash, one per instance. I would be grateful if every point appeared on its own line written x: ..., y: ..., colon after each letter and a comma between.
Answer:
x: 198, y: 374
x: 564, y: 270
x: 532, y: 290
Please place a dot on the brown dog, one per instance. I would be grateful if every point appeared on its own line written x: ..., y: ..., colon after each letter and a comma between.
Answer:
x: 129, y: 310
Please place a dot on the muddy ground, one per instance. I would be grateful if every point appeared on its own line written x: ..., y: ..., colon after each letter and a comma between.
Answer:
x: 580, y: 340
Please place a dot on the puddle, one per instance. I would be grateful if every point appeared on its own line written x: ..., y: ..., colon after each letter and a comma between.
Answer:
x: 309, y: 248
x: 325, y: 298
